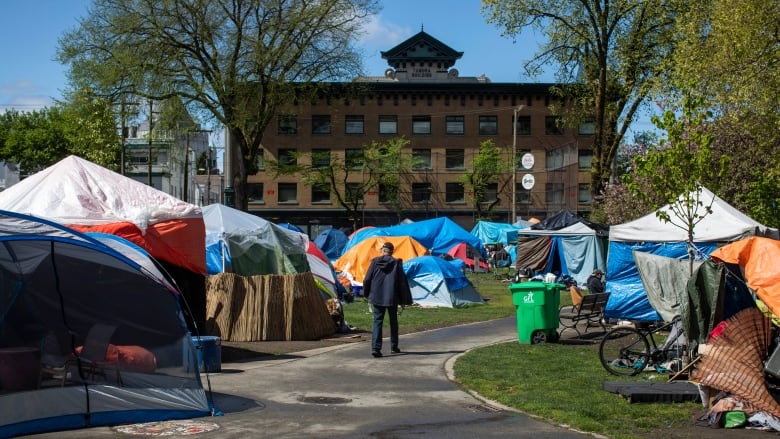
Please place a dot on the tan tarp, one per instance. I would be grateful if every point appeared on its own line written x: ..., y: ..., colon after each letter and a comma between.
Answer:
x: 758, y: 258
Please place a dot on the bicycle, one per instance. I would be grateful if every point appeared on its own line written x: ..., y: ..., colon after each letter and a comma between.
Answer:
x: 627, y: 351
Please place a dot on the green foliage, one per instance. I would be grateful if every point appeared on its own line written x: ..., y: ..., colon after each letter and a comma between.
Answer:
x: 489, y: 166
x: 610, y: 54
x: 83, y: 126
x: 230, y: 61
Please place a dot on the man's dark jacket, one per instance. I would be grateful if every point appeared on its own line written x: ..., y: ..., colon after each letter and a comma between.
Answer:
x: 385, y: 283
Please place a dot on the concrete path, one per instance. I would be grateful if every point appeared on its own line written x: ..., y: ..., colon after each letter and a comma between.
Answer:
x: 343, y: 392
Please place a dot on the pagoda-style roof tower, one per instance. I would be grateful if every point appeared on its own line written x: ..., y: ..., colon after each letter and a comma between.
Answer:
x: 421, y: 57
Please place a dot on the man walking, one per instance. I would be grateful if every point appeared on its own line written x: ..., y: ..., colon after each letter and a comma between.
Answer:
x: 386, y: 287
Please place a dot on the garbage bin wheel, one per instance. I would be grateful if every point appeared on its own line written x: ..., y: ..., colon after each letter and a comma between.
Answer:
x: 538, y: 337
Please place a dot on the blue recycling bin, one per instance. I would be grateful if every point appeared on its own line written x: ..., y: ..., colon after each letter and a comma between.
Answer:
x: 208, y: 351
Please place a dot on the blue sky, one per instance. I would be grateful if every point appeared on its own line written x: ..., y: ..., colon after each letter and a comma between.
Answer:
x: 30, y: 29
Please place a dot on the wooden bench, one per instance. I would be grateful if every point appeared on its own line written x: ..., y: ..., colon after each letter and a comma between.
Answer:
x: 590, y: 311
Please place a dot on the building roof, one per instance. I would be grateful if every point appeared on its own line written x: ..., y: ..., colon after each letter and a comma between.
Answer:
x: 422, y: 47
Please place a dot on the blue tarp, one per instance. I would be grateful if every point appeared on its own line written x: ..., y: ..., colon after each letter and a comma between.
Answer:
x: 437, y: 235
x: 488, y: 232
x: 628, y: 299
x: 332, y: 242
x: 436, y: 282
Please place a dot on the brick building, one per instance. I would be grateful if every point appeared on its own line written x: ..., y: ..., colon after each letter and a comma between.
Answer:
x: 423, y: 98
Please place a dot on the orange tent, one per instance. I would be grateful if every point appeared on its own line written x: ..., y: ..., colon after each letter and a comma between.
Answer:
x: 356, y: 260
x: 758, y: 258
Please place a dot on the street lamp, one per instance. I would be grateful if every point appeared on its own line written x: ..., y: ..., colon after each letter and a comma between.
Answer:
x: 514, y: 162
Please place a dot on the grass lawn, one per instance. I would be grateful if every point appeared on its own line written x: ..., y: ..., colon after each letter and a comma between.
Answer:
x: 558, y: 382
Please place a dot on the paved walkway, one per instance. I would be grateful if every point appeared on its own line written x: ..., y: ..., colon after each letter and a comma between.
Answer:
x: 342, y: 392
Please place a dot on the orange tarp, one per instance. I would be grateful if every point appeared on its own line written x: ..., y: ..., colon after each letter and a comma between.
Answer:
x: 357, y: 259
x: 758, y: 258
x: 181, y: 242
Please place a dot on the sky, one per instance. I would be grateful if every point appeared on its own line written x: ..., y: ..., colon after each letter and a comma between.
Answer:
x: 31, y: 79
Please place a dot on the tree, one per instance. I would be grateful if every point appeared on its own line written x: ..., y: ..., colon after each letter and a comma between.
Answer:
x: 729, y: 54
x: 381, y: 166
x: 83, y: 126
x: 611, y: 53
x: 237, y: 61
x: 677, y: 169
x: 489, y: 166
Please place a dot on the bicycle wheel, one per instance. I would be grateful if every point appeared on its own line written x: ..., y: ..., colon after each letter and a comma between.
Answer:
x: 624, y: 351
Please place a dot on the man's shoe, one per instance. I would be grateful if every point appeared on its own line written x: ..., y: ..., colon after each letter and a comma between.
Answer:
x: 396, y: 350
x: 376, y: 354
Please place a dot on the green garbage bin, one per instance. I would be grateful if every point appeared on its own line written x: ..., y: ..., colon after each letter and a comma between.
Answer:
x: 537, y: 310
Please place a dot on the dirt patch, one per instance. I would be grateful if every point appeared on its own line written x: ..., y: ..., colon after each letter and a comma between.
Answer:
x: 239, y: 351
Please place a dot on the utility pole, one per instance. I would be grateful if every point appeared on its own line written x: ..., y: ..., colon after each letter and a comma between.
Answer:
x: 151, y: 124
x: 514, y: 163
x: 185, y: 191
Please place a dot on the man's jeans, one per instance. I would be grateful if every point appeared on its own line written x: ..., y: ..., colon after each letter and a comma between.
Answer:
x: 379, y: 318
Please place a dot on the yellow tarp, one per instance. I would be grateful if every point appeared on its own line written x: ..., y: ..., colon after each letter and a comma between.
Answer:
x: 758, y: 258
x: 356, y: 260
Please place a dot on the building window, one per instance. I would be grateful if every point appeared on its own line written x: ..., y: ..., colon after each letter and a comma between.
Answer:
x: 491, y: 193
x: 260, y: 160
x: 488, y: 125
x: 554, y: 194
x: 320, y: 124
x: 287, y: 124
x: 320, y: 158
x: 587, y: 127
x: 554, y: 159
x: 353, y: 158
x: 388, y: 125
x: 585, y: 159
x: 421, y: 125
x: 523, y: 125
x: 288, y: 192
x: 353, y: 125
x: 454, y: 125
x: 522, y: 194
x: 254, y: 192
x: 353, y: 193
x: 455, y: 159
x: 320, y: 193
x: 421, y: 193
x: 421, y: 159
x: 584, y: 195
x: 454, y: 193
x: 287, y: 157
x: 552, y: 126
x: 388, y: 193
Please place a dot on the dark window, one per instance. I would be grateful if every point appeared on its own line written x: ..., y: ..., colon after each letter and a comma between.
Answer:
x: 288, y: 124
x: 353, y: 125
x: 388, y: 193
x: 421, y: 125
x: 585, y: 159
x: 260, y: 159
x: 587, y: 127
x: 523, y: 195
x: 254, y: 192
x: 288, y: 193
x: 320, y: 124
x: 523, y: 125
x: 584, y: 195
x: 552, y: 126
x: 353, y: 192
x: 287, y: 157
x: 491, y: 193
x: 488, y: 125
x: 455, y: 193
x: 353, y: 158
x: 455, y: 159
x: 320, y: 193
x: 320, y: 158
x: 554, y: 194
x: 388, y: 125
x: 421, y: 159
x: 454, y: 125
x: 421, y: 192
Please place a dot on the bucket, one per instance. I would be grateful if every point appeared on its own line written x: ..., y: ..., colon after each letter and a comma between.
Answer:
x: 208, y: 350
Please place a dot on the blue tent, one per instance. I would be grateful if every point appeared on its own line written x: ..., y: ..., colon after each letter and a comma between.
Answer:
x: 488, y: 232
x: 332, y: 242
x: 437, y: 235
x: 436, y: 282
x: 62, y: 287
